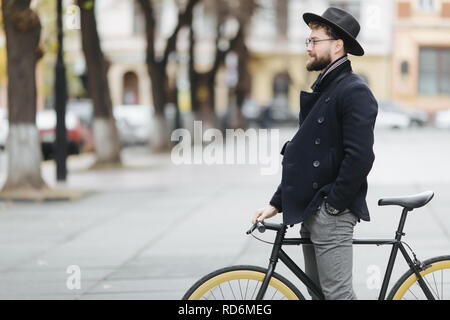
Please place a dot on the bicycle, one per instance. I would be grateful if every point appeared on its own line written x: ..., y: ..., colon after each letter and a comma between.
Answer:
x: 252, y: 282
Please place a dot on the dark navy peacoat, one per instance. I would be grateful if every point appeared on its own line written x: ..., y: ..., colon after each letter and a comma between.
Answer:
x: 332, y: 152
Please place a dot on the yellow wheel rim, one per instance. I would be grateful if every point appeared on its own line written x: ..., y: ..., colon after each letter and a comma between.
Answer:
x: 435, y: 266
x: 241, y: 275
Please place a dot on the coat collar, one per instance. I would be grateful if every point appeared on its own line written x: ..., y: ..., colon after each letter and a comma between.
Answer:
x: 325, y: 78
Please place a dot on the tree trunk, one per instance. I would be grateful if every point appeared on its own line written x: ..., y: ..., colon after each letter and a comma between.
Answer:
x: 243, y: 85
x: 107, y: 146
x: 204, y: 98
x: 22, y: 28
x: 156, y: 67
x: 160, y: 140
x: 202, y: 86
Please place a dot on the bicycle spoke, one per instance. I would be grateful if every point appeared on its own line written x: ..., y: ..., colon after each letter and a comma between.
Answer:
x: 221, y: 292
x: 229, y: 283
x: 274, y: 294
x: 430, y: 287
x: 212, y: 293
x: 410, y: 291
x: 435, y: 285
x: 257, y: 284
x: 239, y: 283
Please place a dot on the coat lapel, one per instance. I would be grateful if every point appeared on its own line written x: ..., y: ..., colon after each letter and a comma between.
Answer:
x: 307, y: 101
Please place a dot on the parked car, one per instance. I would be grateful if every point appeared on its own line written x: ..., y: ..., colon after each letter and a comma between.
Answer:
x: 392, y: 120
x: 46, y: 124
x: 442, y: 119
x: 4, y: 127
x: 393, y: 116
x: 280, y: 111
x: 251, y: 110
x: 84, y: 110
x: 134, y: 123
x: 417, y: 117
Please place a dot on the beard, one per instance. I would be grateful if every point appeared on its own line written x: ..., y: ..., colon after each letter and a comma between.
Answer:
x: 319, y: 63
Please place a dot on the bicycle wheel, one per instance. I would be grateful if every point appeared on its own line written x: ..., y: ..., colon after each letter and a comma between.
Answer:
x: 241, y: 283
x: 436, y: 275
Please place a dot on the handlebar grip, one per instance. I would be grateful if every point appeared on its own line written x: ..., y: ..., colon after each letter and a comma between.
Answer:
x: 261, y: 227
x: 251, y: 229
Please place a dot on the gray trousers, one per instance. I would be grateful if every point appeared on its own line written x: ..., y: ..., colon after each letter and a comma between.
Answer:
x: 329, y: 261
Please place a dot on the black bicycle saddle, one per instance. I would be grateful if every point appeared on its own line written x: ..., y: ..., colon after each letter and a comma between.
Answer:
x: 410, y: 202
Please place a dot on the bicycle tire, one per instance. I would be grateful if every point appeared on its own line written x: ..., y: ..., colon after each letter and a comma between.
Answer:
x: 212, y: 283
x: 431, y: 271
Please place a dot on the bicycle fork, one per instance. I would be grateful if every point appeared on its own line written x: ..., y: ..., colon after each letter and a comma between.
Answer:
x: 272, y: 263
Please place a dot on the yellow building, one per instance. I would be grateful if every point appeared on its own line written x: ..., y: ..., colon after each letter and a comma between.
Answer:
x: 375, y: 69
x: 421, y: 54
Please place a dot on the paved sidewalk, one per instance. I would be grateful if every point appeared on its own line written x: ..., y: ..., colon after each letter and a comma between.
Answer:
x: 151, y: 229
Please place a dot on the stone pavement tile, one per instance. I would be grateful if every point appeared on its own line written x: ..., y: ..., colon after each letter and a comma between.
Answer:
x: 114, y: 238
x: 160, y: 295
x: 168, y: 266
x: 48, y: 282
x: 148, y: 224
x: 25, y: 289
x: 146, y: 288
x: 19, y: 253
x: 414, y: 157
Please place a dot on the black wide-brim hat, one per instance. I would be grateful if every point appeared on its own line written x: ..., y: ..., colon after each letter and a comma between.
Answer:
x: 343, y: 23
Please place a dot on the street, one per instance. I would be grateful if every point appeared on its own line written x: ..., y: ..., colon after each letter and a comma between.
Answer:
x: 150, y: 229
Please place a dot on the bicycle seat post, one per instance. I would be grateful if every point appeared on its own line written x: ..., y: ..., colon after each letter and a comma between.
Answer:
x: 398, y: 236
x: 399, y: 233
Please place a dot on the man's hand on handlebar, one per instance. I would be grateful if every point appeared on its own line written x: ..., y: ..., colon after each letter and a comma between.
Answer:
x: 264, y: 213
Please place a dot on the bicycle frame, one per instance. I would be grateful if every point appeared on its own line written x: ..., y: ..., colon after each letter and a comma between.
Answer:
x: 279, y: 254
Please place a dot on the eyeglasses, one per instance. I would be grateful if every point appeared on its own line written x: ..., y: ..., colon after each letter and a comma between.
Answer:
x: 313, y: 41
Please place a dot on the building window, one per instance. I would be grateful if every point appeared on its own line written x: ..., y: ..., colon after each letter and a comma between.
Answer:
x: 352, y: 7
x: 434, y: 71
x: 426, y: 5
x: 130, y: 88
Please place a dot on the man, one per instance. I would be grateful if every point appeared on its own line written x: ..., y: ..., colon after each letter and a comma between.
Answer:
x: 325, y: 165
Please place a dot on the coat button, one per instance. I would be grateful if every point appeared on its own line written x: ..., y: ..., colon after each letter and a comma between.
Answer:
x: 316, y: 164
x: 327, y: 100
x: 315, y: 185
x: 321, y: 120
x: 317, y: 141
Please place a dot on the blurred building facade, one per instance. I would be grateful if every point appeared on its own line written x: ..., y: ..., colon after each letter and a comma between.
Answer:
x: 407, y: 45
x: 121, y: 27
x: 421, y: 54
x: 275, y: 40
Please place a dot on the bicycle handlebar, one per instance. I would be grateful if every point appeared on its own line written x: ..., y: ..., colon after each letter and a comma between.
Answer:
x: 260, y: 225
x: 263, y: 226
